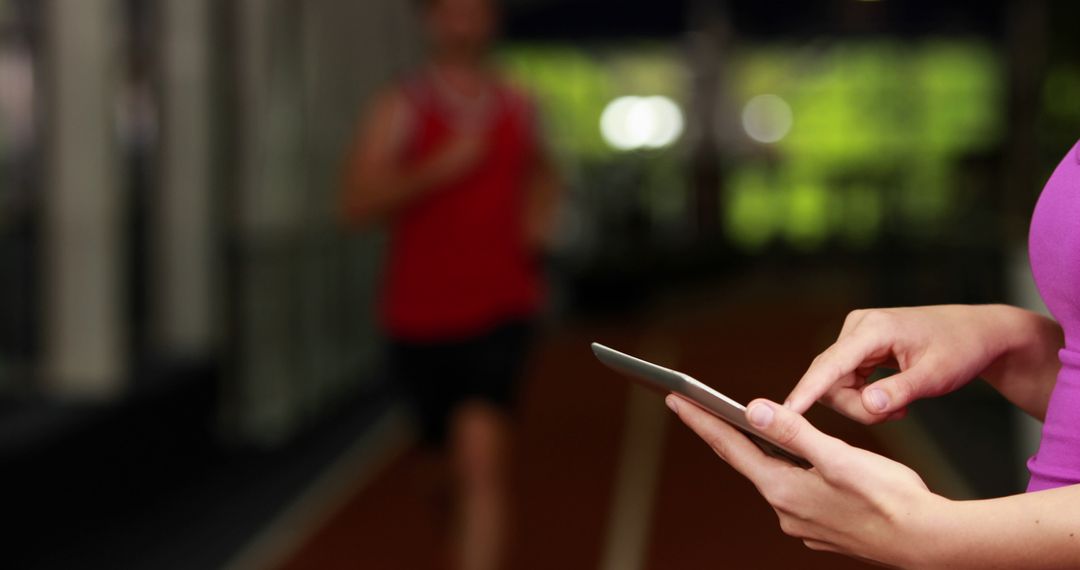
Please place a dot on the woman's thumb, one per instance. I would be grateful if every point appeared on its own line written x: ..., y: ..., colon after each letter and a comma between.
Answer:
x: 893, y: 392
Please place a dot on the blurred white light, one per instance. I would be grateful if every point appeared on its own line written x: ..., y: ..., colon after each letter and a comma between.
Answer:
x: 667, y: 122
x: 767, y: 118
x: 630, y: 122
x: 614, y: 120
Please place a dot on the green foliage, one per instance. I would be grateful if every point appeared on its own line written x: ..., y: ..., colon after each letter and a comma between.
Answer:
x: 878, y: 128
x: 877, y: 124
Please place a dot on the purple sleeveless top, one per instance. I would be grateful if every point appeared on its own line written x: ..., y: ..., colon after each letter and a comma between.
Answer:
x: 1054, y: 247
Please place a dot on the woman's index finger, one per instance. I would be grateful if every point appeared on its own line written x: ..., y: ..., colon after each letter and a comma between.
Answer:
x: 844, y: 357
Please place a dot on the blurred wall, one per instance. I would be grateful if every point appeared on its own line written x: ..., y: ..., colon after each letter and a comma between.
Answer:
x: 184, y: 267
x: 192, y: 152
x: 301, y: 288
x: 83, y: 267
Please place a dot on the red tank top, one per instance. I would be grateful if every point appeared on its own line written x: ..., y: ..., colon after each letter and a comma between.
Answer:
x: 458, y: 263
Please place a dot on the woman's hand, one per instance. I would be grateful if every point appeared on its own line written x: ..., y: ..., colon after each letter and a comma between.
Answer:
x: 937, y: 350
x: 377, y: 184
x: 853, y: 502
x: 458, y: 155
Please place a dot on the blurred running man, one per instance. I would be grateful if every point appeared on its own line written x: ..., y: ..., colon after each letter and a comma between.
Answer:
x: 451, y: 160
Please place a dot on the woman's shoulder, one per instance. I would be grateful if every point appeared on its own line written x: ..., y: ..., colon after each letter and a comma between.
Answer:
x: 517, y: 98
x: 514, y: 91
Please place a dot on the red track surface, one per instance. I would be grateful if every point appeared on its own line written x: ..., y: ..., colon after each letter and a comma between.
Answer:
x: 571, y: 423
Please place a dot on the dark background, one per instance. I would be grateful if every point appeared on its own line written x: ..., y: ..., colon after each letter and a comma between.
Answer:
x: 235, y: 356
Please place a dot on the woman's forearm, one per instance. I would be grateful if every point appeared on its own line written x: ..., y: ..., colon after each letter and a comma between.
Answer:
x: 375, y: 196
x: 379, y: 186
x: 542, y: 206
x: 1033, y: 530
x: 1026, y: 371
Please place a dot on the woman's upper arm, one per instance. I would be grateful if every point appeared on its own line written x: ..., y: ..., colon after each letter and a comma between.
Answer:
x: 381, y: 133
x: 378, y: 141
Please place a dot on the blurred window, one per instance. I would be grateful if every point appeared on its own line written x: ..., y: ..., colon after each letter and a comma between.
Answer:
x: 819, y: 142
x: 18, y: 189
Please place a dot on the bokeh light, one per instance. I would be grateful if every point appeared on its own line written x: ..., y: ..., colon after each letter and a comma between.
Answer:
x: 767, y: 118
x: 632, y: 122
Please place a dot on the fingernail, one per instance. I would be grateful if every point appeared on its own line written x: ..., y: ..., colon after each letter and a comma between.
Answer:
x: 670, y: 401
x: 879, y: 400
x: 761, y: 415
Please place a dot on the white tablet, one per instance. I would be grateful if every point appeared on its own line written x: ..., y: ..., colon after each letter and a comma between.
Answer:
x: 708, y: 399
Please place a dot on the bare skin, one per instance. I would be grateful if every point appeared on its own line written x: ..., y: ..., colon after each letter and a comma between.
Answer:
x: 480, y: 441
x: 863, y: 505
x: 377, y: 187
x: 937, y: 350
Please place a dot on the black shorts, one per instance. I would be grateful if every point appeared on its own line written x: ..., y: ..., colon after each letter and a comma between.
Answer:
x: 438, y: 377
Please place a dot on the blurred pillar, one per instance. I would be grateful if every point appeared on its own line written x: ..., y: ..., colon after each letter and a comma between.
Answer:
x: 183, y: 260
x: 1027, y: 36
x: 708, y: 42
x: 85, y: 333
x: 263, y: 392
x: 1027, y: 39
